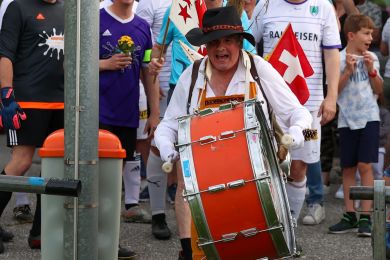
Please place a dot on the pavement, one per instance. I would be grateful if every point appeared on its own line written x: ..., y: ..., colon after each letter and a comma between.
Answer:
x: 315, y: 240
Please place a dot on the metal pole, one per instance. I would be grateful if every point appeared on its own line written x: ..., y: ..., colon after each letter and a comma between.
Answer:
x: 380, y: 194
x: 81, y: 126
x: 51, y: 186
x: 379, y: 220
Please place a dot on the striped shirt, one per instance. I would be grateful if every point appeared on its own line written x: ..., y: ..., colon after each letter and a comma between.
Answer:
x: 315, y: 25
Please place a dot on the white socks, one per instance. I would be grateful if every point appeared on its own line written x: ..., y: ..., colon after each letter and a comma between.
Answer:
x: 21, y: 199
x: 157, y: 184
x: 296, y: 196
x: 132, y: 180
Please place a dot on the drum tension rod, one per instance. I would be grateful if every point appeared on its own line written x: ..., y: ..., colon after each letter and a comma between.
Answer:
x: 229, y: 185
x: 233, y: 236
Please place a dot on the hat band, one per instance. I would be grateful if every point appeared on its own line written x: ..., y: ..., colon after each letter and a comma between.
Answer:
x: 223, y: 27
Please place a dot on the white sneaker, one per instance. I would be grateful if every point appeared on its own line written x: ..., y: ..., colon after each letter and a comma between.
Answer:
x: 339, y: 193
x: 315, y: 215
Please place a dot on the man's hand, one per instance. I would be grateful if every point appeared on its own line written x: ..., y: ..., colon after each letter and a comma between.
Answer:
x: 151, y: 125
x: 168, y: 153
x: 11, y: 113
x: 327, y: 110
x: 155, y: 66
x: 297, y: 135
x: 115, y: 62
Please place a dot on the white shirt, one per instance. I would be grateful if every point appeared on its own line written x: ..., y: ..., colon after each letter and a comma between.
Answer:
x: 386, y: 39
x: 284, y: 103
x: 3, y: 8
x: 315, y: 25
x: 106, y: 3
x: 153, y: 12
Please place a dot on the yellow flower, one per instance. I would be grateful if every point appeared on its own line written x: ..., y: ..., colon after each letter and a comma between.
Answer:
x: 126, y: 44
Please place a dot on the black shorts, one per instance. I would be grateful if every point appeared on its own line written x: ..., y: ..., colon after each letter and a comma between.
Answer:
x: 127, y: 136
x: 359, y: 145
x: 37, y: 126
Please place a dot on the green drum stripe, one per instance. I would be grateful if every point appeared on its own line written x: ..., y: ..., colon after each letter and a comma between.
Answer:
x: 270, y: 214
x: 266, y: 198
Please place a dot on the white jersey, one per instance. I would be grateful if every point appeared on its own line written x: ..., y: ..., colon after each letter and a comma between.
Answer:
x: 315, y: 25
x: 153, y: 12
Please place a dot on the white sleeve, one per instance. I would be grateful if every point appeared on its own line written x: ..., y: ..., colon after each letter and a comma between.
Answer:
x: 386, y: 32
x: 284, y: 103
x: 145, y: 11
x: 256, y: 22
x: 166, y: 132
x: 331, y: 37
x: 3, y: 7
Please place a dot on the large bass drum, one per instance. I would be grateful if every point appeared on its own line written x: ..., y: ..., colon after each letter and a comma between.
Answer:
x: 234, y: 185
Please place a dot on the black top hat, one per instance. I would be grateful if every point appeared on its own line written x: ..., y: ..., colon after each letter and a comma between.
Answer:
x: 217, y: 23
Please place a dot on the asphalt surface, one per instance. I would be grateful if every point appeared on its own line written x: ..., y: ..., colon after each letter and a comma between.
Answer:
x: 315, y: 241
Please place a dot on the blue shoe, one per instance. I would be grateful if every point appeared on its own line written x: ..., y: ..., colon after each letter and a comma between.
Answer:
x: 144, y: 195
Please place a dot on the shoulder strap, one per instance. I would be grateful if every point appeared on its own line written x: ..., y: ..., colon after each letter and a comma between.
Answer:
x: 256, y: 77
x: 194, y: 77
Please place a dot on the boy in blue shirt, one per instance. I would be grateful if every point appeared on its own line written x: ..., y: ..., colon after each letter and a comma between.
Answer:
x: 359, y: 119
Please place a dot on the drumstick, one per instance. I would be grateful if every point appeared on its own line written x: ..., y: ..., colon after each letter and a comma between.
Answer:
x: 287, y: 140
x: 167, y: 166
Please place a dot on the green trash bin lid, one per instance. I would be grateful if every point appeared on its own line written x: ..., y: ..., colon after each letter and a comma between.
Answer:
x: 109, y: 145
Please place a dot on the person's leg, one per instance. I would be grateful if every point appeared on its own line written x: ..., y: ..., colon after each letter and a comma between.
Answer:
x: 296, y: 187
x: 316, y: 211
x: 349, y: 145
x: 21, y: 160
x: 22, y: 211
x: 183, y: 216
x: 349, y: 222
x: 157, y: 185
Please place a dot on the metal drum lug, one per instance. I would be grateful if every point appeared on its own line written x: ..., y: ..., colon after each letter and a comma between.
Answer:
x: 227, y: 135
x: 207, y: 139
x: 216, y: 188
x: 236, y: 184
x: 249, y: 232
x: 229, y: 237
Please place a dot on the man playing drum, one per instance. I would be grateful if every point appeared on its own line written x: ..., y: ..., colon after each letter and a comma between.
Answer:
x: 223, y: 76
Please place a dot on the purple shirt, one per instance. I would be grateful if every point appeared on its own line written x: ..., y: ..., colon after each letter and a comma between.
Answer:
x: 119, y: 90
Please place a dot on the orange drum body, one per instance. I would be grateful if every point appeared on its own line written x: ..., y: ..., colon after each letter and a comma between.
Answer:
x: 233, y: 184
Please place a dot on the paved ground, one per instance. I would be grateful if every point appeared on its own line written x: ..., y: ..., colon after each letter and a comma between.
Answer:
x: 316, y: 242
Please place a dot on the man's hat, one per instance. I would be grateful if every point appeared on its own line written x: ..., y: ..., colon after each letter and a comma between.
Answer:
x: 217, y: 23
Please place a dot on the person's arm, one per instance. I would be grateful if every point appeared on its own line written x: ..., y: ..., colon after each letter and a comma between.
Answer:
x: 372, y: 65
x: 157, y: 61
x: 152, y: 92
x: 6, y: 72
x: 332, y: 70
x: 384, y: 48
x: 350, y: 7
x: 350, y: 67
x: 115, y: 62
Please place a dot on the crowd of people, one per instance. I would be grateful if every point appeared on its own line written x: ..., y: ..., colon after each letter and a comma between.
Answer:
x: 146, y: 81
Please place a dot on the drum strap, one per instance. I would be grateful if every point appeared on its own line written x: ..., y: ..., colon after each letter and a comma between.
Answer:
x: 277, y: 130
x: 194, y: 76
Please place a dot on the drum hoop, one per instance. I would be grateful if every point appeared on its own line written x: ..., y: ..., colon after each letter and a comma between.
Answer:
x: 264, y: 192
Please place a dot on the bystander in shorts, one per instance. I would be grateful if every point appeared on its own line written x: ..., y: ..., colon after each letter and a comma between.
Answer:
x: 38, y: 125
x: 359, y: 145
